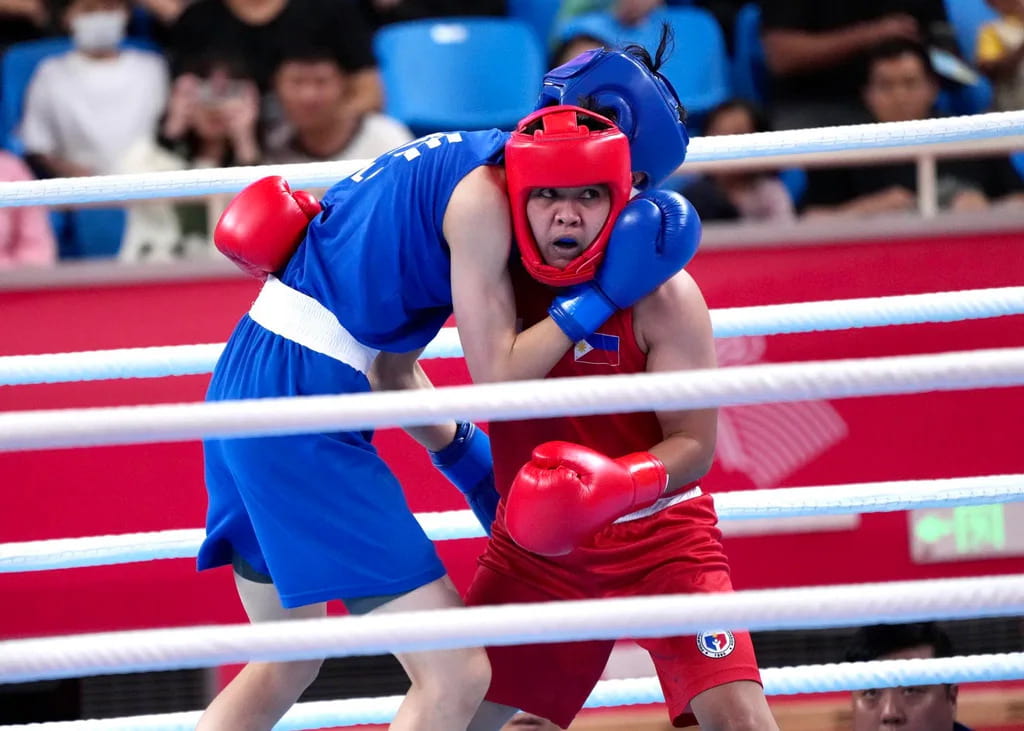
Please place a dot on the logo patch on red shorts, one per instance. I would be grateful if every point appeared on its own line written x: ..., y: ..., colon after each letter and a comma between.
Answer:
x: 716, y: 643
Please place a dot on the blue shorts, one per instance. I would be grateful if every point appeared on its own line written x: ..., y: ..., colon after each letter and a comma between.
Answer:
x: 321, y: 514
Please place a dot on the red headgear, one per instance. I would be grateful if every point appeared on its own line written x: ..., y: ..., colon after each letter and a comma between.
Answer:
x: 564, y: 154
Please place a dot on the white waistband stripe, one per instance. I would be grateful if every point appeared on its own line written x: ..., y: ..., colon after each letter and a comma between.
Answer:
x: 300, y: 318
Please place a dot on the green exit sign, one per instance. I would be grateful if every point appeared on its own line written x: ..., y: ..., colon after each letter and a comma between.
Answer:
x: 968, y: 532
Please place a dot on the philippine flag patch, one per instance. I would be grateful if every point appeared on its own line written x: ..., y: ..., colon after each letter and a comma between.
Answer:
x: 717, y: 643
x: 597, y: 349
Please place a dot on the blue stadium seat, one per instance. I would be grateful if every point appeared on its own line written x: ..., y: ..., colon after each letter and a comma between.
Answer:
x: 17, y: 65
x: 750, y: 70
x: 538, y: 14
x: 699, y: 66
x: 966, y: 17
x: 94, y: 232
x: 965, y: 99
x: 16, y: 68
x: 795, y: 180
x: 599, y: 25
x: 1017, y: 158
x: 88, y: 232
x: 460, y: 73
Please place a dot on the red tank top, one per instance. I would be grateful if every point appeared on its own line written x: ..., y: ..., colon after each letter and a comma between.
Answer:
x: 611, y: 350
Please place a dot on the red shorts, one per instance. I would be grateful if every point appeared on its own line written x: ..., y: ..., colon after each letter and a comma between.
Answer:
x: 673, y: 551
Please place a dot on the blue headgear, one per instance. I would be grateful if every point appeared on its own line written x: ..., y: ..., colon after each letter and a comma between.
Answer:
x: 645, y: 104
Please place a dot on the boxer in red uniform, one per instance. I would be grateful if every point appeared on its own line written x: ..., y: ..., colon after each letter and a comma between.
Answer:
x: 609, y: 506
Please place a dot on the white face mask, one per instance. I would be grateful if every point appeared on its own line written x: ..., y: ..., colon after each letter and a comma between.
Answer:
x: 100, y: 30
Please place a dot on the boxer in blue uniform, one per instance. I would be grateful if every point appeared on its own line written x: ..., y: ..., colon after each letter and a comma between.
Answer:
x: 356, y: 286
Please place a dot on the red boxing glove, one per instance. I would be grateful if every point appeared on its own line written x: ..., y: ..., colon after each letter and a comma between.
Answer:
x: 568, y: 492
x: 264, y: 224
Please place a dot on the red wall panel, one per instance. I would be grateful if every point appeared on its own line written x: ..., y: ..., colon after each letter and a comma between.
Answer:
x: 79, y: 492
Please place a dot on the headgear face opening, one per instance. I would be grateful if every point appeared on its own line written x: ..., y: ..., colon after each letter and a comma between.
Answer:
x: 646, y: 106
x: 562, y: 153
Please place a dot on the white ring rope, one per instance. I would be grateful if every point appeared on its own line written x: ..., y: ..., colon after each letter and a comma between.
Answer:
x: 503, y: 401
x: 881, y: 137
x: 649, y: 616
x: 782, y: 502
x: 825, y: 678
x: 799, y: 317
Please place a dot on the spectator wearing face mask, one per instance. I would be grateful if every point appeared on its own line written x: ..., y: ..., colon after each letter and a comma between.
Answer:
x: 84, y: 107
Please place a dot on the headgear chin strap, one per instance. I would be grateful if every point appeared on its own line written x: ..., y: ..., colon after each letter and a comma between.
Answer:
x: 562, y: 153
x: 647, y: 108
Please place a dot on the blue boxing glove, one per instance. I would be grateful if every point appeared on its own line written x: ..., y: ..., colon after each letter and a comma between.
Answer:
x: 466, y: 462
x: 655, y: 236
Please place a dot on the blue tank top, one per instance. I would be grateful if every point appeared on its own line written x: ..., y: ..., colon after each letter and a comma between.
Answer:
x: 376, y: 256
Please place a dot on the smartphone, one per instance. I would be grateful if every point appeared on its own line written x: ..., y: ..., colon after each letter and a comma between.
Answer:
x: 213, y: 93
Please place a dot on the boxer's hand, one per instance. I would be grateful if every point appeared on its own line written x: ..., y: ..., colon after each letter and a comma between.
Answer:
x: 568, y: 492
x: 264, y: 224
x: 655, y: 236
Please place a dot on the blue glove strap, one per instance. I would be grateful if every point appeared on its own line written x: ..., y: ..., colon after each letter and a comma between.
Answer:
x: 466, y: 462
x: 581, y: 310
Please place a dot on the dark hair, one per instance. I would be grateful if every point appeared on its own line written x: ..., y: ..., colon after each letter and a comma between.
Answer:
x: 205, y: 64
x: 60, y: 7
x: 892, y: 48
x: 666, y: 45
x: 757, y: 114
x: 307, y: 53
x: 871, y: 643
x: 590, y: 104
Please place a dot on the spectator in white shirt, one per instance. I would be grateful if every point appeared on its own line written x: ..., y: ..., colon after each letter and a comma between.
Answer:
x: 86, y: 106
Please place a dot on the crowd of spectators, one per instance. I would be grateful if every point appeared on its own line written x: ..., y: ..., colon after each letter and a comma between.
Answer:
x: 151, y: 85
x: 852, y: 62
x: 155, y: 85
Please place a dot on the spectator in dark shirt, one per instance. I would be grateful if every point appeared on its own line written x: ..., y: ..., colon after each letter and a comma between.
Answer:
x: 814, y: 49
x: 382, y: 12
x: 23, y: 20
x: 259, y: 31
x: 901, y: 85
x: 912, y: 707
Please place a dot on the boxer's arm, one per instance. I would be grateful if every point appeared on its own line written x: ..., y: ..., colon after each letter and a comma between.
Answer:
x: 479, y: 234
x: 460, y: 451
x: 673, y: 326
x: 402, y: 371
